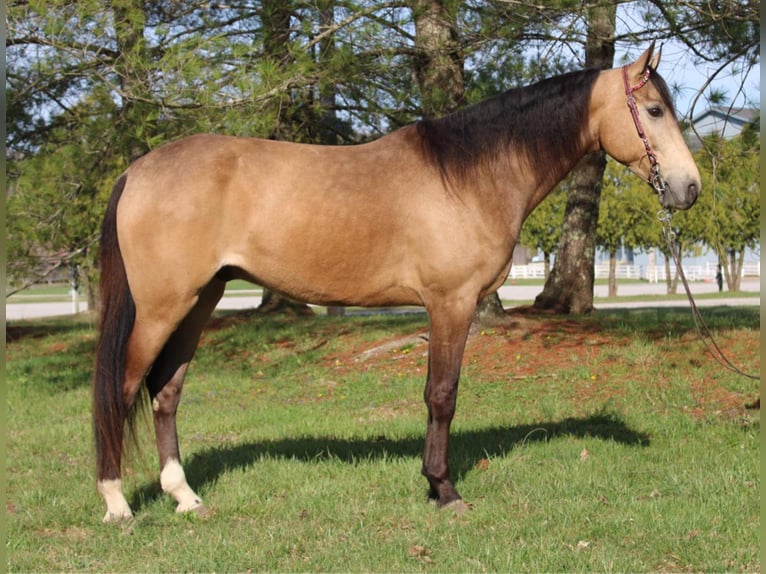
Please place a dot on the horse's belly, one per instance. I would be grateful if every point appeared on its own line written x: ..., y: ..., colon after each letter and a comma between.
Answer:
x: 308, y: 275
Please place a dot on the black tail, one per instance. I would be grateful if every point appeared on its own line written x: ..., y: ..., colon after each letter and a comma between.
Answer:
x: 110, y: 409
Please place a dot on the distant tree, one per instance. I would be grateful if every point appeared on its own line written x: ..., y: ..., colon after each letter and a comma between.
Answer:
x: 731, y: 176
x: 55, y: 207
x: 625, y: 215
x: 62, y: 169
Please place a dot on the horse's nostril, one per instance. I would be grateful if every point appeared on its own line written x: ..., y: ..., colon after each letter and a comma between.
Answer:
x: 693, y: 190
x: 692, y: 193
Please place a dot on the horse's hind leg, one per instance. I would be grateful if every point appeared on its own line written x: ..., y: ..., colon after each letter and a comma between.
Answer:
x: 165, y: 383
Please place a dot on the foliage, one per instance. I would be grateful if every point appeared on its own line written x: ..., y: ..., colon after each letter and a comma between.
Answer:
x: 55, y: 210
x: 731, y: 176
x: 627, y: 211
x: 626, y: 215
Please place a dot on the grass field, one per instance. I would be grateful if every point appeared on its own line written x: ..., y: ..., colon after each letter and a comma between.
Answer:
x: 607, y: 443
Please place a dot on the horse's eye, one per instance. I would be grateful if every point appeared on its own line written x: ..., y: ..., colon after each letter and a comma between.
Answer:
x: 655, y: 112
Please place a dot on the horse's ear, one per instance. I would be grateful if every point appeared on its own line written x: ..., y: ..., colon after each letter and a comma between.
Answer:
x: 648, y: 58
x: 654, y: 61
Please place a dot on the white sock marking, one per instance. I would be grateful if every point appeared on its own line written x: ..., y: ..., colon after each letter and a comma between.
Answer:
x: 173, y: 481
x: 117, y: 507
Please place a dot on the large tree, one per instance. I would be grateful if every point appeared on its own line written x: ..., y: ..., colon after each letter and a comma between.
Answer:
x: 569, y: 287
x: 439, y: 70
x: 91, y: 87
x: 438, y: 59
x: 276, y: 17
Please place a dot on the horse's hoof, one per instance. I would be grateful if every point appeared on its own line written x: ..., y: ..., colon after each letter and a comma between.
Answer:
x: 458, y: 507
x: 197, y: 508
x: 202, y: 511
x: 116, y: 518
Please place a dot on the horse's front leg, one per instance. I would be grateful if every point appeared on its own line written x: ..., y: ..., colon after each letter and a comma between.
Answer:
x: 449, y: 331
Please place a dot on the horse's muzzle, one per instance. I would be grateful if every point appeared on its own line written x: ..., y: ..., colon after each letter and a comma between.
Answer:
x: 683, y: 198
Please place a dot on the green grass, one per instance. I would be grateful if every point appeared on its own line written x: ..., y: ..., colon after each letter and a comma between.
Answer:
x: 607, y: 443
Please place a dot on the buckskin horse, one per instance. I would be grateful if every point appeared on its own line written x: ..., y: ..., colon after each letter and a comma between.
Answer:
x: 427, y: 215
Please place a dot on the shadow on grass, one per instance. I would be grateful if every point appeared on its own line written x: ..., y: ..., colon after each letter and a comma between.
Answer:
x: 467, y: 448
x: 42, y: 328
x: 661, y: 321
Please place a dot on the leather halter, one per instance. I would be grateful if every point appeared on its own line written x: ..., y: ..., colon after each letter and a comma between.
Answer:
x: 655, y: 178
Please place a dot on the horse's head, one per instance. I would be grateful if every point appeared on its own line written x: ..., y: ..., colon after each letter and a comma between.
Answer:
x: 638, y: 127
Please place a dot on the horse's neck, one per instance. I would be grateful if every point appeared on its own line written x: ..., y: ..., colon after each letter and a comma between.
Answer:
x: 543, y: 187
x: 525, y: 186
x: 536, y: 171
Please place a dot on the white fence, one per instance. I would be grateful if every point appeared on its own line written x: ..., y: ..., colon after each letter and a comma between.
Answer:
x: 657, y: 273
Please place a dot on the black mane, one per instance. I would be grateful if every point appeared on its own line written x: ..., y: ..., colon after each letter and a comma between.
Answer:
x: 542, y: 122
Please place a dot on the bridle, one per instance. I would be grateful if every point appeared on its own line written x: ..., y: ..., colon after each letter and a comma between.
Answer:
x: 655, y: 177
x: 665, y: 216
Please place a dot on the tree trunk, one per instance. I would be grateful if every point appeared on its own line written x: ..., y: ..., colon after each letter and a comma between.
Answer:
x: 736, y: 261
x: 129, y: 24
x: 489, y: 310
x: 613, y: 273
x: 670, y: 289
x: 569, y: 288
x: 328, y: 132
x: 438, y: 60
x: 672, y: 274
x: 273, y: 303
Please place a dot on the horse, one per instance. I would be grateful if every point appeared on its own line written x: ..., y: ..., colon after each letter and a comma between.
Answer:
x: 426, y: 215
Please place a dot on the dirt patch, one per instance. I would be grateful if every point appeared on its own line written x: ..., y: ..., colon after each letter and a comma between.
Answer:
x: 532, y: 346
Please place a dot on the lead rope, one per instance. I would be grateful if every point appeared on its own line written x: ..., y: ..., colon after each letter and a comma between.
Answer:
x: 703, y: 331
